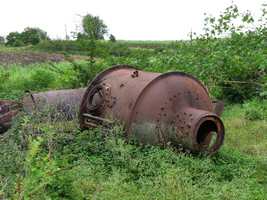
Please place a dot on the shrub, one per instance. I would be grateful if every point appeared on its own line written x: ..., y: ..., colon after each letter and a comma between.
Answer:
x: 40, y: 79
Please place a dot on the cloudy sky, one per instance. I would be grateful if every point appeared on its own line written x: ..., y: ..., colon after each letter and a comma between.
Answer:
x: 126, y: 19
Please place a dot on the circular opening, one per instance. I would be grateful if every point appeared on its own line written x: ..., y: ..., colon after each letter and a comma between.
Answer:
x: 207, y: 133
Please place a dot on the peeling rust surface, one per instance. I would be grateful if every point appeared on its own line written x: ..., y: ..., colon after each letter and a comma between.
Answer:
x: 160, y: 109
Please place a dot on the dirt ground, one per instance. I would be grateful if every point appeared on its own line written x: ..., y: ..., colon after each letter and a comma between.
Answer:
x: 8, y: 58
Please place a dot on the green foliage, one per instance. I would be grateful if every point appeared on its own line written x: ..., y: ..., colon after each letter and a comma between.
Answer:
x: 37, y: 77
x: 33, y: 36
x: 230, y: 58
x: 48, y: 159
x: 233, y: 21
x: 93, y: 28
x: 118, y: 50
x: 30, y: 36
x: 4, y: 76
x: 255, y: 110
x: 14, y: 39
x: 17, y: 79
x: 40, y: 79
x: 69, y: 46
x: 249, y: 136
x: 234, y: 69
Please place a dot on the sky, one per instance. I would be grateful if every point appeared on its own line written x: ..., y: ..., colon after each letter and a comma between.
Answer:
x: 126, y: 19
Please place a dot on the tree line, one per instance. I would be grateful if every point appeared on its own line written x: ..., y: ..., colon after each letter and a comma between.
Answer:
x: 93, y: 28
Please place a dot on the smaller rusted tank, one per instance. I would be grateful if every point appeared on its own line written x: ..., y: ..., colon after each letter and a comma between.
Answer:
x: 60, y: 104
x: 159, y: 109
x: 57, y: 104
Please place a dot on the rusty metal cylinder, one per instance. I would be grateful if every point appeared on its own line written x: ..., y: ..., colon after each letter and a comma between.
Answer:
x: 56, y: 104
x: 59, y: 104
x: 160, y: 109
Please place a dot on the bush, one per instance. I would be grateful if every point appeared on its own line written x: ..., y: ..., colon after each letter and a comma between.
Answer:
x: 40, y: 79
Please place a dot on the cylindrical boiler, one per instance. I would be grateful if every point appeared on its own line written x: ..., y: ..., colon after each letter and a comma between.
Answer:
x: 173, y: 108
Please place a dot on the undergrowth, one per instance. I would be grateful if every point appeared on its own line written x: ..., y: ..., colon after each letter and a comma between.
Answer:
x: 46, y: 159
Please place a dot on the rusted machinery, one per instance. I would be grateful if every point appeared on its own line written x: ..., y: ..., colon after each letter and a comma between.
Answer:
x: 60, y: 104
x: 160, y: 109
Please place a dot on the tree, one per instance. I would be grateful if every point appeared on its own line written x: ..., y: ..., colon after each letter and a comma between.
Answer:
x: 29, y: 36
x: 112, y: 38
x: 93, y: 27
x: 33, y: 36
x: 14, y: 39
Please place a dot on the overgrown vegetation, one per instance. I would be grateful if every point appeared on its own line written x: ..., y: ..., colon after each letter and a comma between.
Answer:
x: 42, y: 158
x: 30, y: 36
x: 230, y: 57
